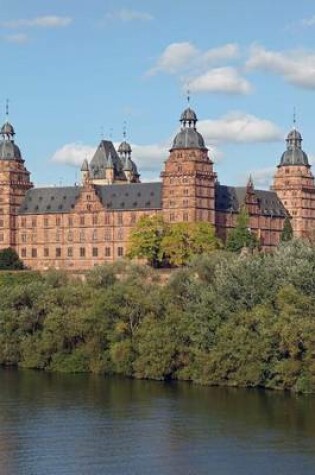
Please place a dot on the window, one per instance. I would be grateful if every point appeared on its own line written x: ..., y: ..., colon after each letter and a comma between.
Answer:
x: 186, y: 191
x: 70, y: 236
x: 70, y: 221
x: 82, y: 251
x: 133, y: 218
x: 82, y: 236
x: 107, y: 219
x: 34, y: 222
x: 120, y: 218
x: 88, y: 197
x: 185, y: 216
x: 58, y: 251
x: 107, y: 236
x: 34, y: 252
x: 120, y: 234
x: 58, y: 221
x: 23, y: 252
x: 120, y: 251
x: 46, y: 252
x: 94, y: 235
x: 95, y: 252
x: 185, y: 202
x: 23, y: 222
x: 172, y: 203
x: 94, y: 219
x: 23, y: 237
x: 46, y: 222
x: 1, y: 237
x: 82, y: 220
x: 172, y: 217
x: 107, y: 251
x: 58, y: 236
x: 1, y: 223
x: 70, y: 252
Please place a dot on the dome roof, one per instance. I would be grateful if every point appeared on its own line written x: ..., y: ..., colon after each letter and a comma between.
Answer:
x: 124, y: 147
x: 9, y: 151
x: 294, y: 135
x: 7, y: 129
x: 188, y: 137
x: 294, y: 156
x: 188, y: 116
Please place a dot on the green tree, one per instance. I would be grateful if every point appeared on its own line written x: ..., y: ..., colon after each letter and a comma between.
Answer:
x: 9, y: 259
x: 287, y: 231
x: 145, y: 239
x: 241, y: 236
x: 184, y: 240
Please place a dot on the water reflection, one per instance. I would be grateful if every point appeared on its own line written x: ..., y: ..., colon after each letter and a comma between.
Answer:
x: 86, y: 424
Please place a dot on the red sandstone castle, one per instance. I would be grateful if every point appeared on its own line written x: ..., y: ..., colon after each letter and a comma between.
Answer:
x: 77, y: 227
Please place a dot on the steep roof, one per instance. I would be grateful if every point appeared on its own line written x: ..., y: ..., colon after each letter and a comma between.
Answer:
x: 230, y: 198
x: 114, y: 197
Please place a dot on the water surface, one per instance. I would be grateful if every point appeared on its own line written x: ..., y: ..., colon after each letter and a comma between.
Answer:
x: 52, y: 424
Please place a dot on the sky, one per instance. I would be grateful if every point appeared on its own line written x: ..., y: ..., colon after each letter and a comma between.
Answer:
x: 77, y: 71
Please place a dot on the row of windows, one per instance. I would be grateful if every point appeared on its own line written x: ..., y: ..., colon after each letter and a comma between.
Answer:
x: 82, y: 236
x: 173, y: 217
x: 82, y: 220
x: 70, y: 252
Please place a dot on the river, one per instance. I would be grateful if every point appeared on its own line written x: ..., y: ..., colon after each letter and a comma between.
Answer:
x: 55, y: 424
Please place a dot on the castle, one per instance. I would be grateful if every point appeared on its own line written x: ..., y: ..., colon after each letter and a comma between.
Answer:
x: 77, y: 227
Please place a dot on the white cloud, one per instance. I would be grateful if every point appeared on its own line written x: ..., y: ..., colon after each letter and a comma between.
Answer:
x: 195, y: 68
x: 126, y: 15
x: 49, y: 21
x: 227, y: 80
x: 18, y: 38
x: 73, y: 154
x: 185, y: 56
x: 239, y: 127
x: 296, y: 67
x: 175, y: 58
x: 263, y: 178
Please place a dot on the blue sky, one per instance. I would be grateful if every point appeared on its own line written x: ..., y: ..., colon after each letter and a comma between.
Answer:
x: 75, y: 70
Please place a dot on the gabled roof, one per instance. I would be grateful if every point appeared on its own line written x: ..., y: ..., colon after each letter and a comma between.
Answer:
x: 230, y: 199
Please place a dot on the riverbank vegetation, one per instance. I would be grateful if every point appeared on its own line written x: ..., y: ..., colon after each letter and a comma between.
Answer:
x: 225, y: 319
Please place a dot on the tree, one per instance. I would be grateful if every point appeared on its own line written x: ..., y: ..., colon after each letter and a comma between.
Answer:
x: 145, y: 239
x: 241, y: 236
x: 9, y: 259
x: 287, y: 231
x: 184, y: 240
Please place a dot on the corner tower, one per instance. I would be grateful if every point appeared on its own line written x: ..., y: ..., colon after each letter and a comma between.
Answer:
x: 294, y: 185
x: 188, y: 178
x: 14, y: 182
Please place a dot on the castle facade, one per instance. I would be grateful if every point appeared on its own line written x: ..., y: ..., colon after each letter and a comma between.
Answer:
x: 78, y: 227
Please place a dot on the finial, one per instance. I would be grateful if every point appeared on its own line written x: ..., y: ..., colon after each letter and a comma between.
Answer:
x: 7, y: 110
x: 250, y: 183
x: 294, y: 117
x: 188, y: 96
x: 125, y: 130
